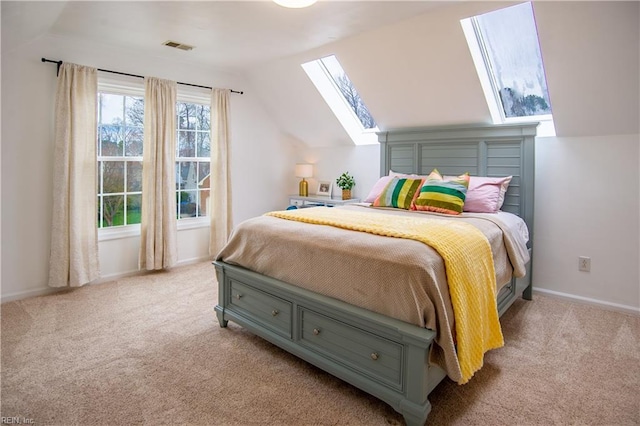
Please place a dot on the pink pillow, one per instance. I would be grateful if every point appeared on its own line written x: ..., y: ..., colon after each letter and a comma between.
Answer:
x: 377, y: 189
x: 486, y: 194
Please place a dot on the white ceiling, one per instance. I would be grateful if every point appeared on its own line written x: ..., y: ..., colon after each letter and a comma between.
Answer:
x: 226, y: 34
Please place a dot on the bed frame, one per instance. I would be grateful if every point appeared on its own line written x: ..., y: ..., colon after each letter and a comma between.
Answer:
x: 378, y: 354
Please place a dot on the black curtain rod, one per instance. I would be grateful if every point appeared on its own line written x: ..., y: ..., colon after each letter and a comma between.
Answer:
x: 59, y: 63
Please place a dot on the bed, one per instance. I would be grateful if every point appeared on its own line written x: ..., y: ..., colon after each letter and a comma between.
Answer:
x: 322, y: 303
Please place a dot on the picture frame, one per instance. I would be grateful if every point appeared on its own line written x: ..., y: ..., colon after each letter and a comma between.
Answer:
x: 324, y: 188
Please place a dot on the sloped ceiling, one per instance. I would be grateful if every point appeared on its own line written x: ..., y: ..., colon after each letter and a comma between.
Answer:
x: 409, y: 60
x: 591, y: 53
x: 419, y: 72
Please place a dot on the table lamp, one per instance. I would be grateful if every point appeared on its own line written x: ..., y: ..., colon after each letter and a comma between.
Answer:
x: 304, y: 171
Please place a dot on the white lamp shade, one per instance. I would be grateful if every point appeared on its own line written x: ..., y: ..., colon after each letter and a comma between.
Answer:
x: 295, y: 4
x: 304, y: 170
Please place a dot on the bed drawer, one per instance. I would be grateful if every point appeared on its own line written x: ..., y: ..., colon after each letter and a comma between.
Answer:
x: 506, y: 292
x: 271, y: 311
x: 357, y: 349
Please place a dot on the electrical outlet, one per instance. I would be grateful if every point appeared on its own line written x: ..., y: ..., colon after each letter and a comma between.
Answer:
x: 584, y: 264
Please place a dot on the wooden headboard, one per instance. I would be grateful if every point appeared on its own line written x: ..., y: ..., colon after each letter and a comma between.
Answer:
x: 481, y: 150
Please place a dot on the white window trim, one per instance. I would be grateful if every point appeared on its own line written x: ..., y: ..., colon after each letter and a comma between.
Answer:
x: 118, y: 232
x: 121, y: 85
x: 194, y: 95
x: 341, y: 109
x: 134, y: 86
x: 130, y: 231
x: 546, y: 126
x: 194, y: 222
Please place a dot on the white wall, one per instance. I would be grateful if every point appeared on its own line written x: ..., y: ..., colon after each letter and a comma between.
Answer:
x: 587, y: 204
x: 591, y: 53
x: 329, y: 163
x: 261, y: 157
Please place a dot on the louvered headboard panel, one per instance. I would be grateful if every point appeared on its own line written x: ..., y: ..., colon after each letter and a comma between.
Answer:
x: 482, y: 150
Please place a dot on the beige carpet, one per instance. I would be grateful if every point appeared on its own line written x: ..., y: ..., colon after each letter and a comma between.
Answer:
x: 148, y: 350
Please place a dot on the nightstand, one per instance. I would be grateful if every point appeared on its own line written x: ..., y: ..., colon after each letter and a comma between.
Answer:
x: 317, y: 200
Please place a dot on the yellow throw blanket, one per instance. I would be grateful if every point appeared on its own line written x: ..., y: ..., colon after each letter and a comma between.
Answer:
x: 468, y: 262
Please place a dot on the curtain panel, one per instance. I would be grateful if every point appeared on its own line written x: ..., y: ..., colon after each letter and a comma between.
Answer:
x: 74, y: 259
x: 158, y: 238
x: 220, y: 202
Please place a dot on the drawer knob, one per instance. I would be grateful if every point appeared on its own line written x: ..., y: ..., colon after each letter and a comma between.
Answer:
x: 374, y: 356
x: 274, y: 312
x: 238, y: 296
x: 316, y: 331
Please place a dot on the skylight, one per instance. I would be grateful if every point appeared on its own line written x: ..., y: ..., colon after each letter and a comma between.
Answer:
x: 342, y: 97
x: 506, y: 52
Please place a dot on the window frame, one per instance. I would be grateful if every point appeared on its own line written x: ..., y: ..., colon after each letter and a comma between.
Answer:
x: 489, y: 84
x: 330, y: 92
x: 202, y: 98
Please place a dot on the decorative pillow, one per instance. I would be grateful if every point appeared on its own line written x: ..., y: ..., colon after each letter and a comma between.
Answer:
x: 486, y: 194
x: 442, y: 196
x: 377, y: 189
x: 384, y: 181
x: 399, y: 193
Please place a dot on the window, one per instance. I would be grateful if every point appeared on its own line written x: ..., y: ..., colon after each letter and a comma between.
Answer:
x: 120, y: 143
x: 505, y: 49
x: 193, y: 149
x: 348, y: 91
x: 342, y: 97
x: 120, y: 140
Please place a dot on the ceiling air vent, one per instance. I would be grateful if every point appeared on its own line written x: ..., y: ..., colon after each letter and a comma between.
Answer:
x: 177, y: 45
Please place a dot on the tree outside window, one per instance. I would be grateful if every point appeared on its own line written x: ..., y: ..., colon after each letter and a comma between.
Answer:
x: 120, y: 141
x: 193, y: 150
x: 509, y: 42
x: 348, y: 90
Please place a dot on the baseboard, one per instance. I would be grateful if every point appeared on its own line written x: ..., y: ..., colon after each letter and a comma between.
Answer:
x: 135, y: 272
x: 586, y: 300
x: 104, y: 279
x: 30, y: 293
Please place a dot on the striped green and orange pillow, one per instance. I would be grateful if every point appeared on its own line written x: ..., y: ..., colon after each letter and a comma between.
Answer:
x: 438, y: 195
x: 399, y: 193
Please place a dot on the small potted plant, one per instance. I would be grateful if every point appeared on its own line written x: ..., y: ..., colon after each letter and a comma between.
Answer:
x: 346, y: 183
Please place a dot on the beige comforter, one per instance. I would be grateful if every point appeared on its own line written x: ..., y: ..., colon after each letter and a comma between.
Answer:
x: 403, y: 279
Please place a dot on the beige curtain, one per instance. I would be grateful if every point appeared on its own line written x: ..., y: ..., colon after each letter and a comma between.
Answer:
x: 158, y: 239
x: 74, y: 259
x: 220, y: 201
